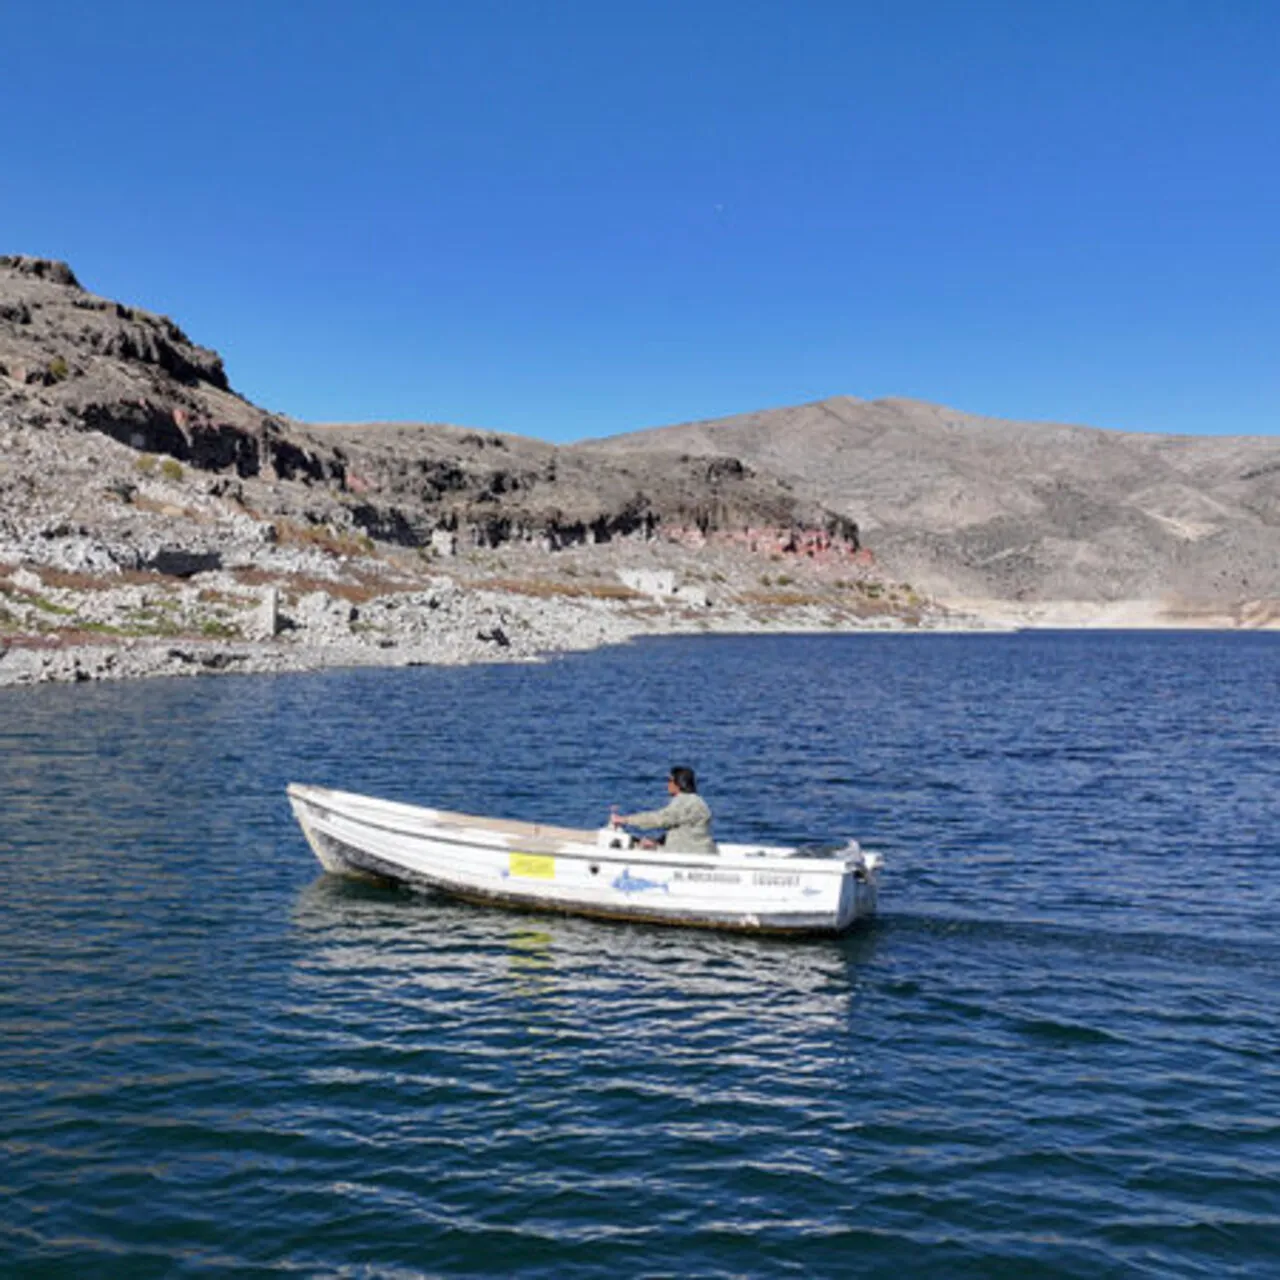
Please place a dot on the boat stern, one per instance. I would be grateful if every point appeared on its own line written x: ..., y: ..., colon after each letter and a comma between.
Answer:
x: 859, y: 891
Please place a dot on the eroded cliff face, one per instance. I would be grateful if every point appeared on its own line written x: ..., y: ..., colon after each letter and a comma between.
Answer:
x: 72, y: 361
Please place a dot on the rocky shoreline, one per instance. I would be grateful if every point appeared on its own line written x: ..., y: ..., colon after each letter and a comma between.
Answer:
x: 119, y: 565
x: 59, y: 625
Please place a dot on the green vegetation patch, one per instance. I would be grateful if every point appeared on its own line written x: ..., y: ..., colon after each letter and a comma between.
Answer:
x: 153, y: 622
x: 49, y: 606
x: 216, y: 629
x: 107, y: 629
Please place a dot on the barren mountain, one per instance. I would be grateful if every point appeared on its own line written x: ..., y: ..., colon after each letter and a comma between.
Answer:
x: 125, y: 448
x: 971, y: 506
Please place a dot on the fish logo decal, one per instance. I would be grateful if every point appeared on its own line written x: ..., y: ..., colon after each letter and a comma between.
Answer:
x: 637, y: 884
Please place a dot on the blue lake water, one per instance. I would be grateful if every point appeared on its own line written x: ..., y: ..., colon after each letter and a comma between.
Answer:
x: 1056, y: 1052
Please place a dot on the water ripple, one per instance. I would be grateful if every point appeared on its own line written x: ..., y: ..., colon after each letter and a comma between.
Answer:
x: 1054, y: 1053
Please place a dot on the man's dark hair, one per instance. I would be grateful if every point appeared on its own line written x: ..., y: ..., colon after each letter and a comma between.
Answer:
x: 683, y: 777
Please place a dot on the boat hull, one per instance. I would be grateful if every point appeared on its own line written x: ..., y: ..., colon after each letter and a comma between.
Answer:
x: 603, y: 874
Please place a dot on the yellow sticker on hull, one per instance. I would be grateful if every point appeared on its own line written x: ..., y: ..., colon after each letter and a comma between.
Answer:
x: 532, y: 866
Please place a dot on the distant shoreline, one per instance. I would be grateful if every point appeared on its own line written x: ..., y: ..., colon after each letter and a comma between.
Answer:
x: 26, y: 661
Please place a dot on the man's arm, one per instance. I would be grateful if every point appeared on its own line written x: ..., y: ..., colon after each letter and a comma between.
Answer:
x: 664, y: 817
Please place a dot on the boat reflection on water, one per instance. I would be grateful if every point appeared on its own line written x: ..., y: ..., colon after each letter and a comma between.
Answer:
x: 381, y: 940
x: 532, y: 961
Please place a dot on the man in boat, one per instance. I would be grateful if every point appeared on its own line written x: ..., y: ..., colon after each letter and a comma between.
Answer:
x: 686, y: 819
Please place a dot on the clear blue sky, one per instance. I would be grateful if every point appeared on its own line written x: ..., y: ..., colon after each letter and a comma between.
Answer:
x: 576, y: 218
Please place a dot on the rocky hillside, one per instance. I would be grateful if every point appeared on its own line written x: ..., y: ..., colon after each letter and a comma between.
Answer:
x: 125, y: 450
x: 979, y: 507
x: 152, y: 521
x: 71, y: 361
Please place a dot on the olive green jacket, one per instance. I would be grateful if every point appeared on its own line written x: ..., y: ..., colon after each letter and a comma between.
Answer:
x: 686, y: 820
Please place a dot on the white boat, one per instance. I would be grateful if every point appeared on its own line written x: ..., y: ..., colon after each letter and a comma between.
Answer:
x: 747, y: 887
